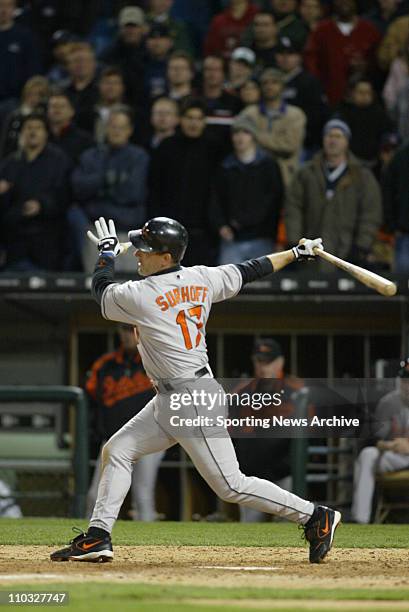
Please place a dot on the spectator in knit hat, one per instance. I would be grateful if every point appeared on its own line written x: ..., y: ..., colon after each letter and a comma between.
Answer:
x: 248, y: 197
x: 335, y: 197
x: 280, y: 126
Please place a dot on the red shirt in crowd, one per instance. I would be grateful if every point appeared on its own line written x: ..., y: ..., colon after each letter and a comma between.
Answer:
x: 331, y: 55
x: 225, y: 31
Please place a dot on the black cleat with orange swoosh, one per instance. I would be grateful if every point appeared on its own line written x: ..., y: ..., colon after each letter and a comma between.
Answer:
x: 85, y: 548
x: 319, y: 532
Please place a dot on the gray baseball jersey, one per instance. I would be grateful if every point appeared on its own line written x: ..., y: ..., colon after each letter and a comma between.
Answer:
x: 171, y: 311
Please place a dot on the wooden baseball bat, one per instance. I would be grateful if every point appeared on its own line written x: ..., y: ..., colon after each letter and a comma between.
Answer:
x: 370, y: 279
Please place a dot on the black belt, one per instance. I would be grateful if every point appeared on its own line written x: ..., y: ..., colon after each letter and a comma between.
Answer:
x: 169, y: 387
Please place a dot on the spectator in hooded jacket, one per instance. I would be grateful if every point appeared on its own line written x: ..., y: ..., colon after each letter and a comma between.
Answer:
x: 110, y: 182
x: 248, y: 197
x: 34, y: 194
x: 335, y: 197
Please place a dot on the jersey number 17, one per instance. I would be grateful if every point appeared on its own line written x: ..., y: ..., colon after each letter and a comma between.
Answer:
x: 182, y: 320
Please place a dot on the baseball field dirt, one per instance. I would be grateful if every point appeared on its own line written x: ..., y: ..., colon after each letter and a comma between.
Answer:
x: 213, y: 575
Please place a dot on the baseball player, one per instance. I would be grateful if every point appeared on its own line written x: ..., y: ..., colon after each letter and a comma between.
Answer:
x: 170, y: 307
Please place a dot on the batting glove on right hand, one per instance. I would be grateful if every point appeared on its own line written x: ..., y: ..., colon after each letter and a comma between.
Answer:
x: 304, y: 251
x: 106, y: 239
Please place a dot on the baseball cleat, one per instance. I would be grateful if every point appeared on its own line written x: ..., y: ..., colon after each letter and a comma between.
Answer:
x: 85, y: 548
x: 319, y: 532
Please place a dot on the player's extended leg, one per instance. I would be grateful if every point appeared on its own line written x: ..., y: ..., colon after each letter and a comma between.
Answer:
x: 140, y: 436
x: 143, y: 485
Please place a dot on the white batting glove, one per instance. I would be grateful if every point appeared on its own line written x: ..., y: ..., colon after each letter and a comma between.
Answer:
x: 106, y: 239
x: 305, y: 249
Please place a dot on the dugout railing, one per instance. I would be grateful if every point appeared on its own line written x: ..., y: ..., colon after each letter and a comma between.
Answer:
x: 25, y: 450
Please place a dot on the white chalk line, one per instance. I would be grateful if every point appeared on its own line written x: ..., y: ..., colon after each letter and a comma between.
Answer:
x: 250, y: 568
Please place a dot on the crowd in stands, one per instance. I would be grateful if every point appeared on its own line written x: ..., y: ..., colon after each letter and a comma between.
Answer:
x: 253, y: 122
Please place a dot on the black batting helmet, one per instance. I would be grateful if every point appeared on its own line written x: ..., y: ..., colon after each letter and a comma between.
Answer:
x: 161, y: 235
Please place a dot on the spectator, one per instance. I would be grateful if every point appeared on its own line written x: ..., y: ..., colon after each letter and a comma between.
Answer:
x: 160, y: 13
x: 61, y: 42
x: 280, y: 126
x: 82, y: 90
x: 159, y: 44
x: 127, y: 52
x: 118, y: 389
x: 397, y: 80
x: 164, y: 120
x: 180, y: 74
x: 63, y: 132
x: 222, y: 107
x: 396, y: 203
x: 227, y: 27
x: 367, y: 121
x: 339, y: 47
x: 34, y: 194
x: 111, y: 92
x: 288, y: 21
x: 268, y: 458
x: 110, y: 182
x: 394, y: 41
x: 250, y: 93
x: 20, y: 57
x: 180, y: 183
x: 302, y: 89
x: 385, y: 13
x: 311, y: 13
x: 335, y: 197
x: 391, y: 452
x: 241, y: 67
x: 265, y: 41
x: 401, y: 112
x: 33, y: 99
x: 248, y: 198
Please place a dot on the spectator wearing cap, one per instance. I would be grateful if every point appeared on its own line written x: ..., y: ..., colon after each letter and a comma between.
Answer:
x: 110, y: 182
x: 20, y: 55
x: 227, y: 27
x: 181, y: 176
x: 63, y: 131
x: 264, y: 39
x: 396, y: 206
x: 33, y: 100
x: 61, y: 42
x: 222, y: 106
x: 268, y: 458
x: 241, y: 67
x: 34, y: 194
x: 335, y: 197
x: 180, y: 74
x: 280, y: 126
x: 247, y: 197
x: 159, y: 45
x: 340, y: 47
x: 164, y: 121
x: 367, y: 120
x: 288, y: 21
x: 304, y: 90
x: 390, y: 453
x: 159, y: 12
x: 127, y: 52
x: 82, y: 89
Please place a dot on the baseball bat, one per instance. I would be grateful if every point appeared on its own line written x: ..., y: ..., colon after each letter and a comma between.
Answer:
x: 370, y: 279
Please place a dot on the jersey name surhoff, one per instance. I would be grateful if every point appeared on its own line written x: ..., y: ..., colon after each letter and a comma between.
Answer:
x: 171, y: 309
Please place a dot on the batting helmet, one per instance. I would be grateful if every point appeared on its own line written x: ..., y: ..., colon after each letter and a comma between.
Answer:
x: 161, y: 235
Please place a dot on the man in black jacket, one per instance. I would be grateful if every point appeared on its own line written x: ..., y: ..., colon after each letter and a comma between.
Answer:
x: 248, y: 197
x: 181, y: 175
x: 34, y: 193
x: 63, y: 132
